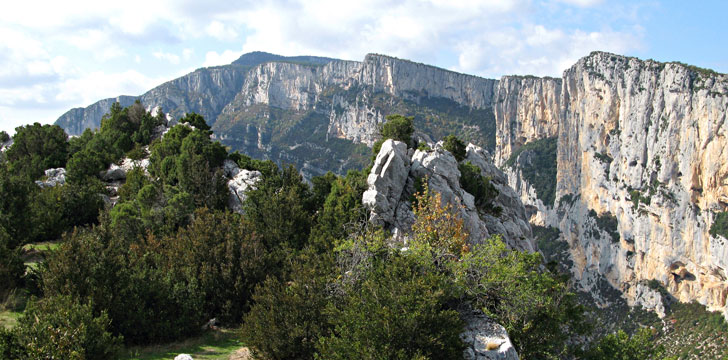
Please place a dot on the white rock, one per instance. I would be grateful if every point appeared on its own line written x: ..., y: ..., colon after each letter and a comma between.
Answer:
x: 241, y: 181
x: 52, y: 178
x: 485, y: 339
x: 386, y: 181
x: 183, y: 357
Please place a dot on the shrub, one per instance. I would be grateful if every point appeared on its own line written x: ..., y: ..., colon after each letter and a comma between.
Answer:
x: 36, y: 148
x: 480, y: 187
x: 534, y: 305
x: 455, y: 146
x: 399, y: 128
x: 398, y: 310
x: 287, y: 317
x: 720, y: 225
x: 622, y: 346
x: 59, y: 328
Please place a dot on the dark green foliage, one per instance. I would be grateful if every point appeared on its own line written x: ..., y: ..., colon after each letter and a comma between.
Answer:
x: 607, y: 223
x: 341, y: 211
x: 624, y: 347
x: 535, y: 306
x: 455, y: 146
x: 189, y: 160
x: 36, y: 148
x: 195, y: 120
x: 122, y: 277
x: 10, y: 345
x: 281, y: 210
x: 11, y: 265
x: 480, y: 187
x: 396, y: 311
x: 288, y: 317
x: 266, y: 167
x: 219, y: 252
x: 66, y: 206
x: 720, y: 225
x: 4, y: 137
x: 540, y: 168
x: 398, y: 128
x: 59, y: 328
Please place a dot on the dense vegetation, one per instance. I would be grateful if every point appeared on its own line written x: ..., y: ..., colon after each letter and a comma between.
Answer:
x: 302, y: 271
x: 539, y: 167
x: 720, y: 225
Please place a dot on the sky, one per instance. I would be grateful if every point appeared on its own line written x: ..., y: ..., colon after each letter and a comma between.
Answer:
x: 57, y: 55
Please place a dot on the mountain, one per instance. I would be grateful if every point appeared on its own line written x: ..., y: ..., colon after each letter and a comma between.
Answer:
x: 641, y: 172
x: 624, y: 158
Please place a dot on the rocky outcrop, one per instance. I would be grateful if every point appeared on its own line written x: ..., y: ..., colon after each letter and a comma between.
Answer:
x: 241, y: 181
x: 53, y: 177
x: 485, y: 339
x: 526, y: 108
x: 645, y: 142
x: 397, y: 169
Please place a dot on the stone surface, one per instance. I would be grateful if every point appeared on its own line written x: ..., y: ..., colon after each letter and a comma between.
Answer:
x: 626, y: 129
x: 241, y: 180
x: 52, y: 178
x: 526, y: 108
x: 391, y: 184
x: 485, y: 339
x: 183, y: 357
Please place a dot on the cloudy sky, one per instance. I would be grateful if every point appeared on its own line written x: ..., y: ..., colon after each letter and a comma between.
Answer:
x: 55, y: 55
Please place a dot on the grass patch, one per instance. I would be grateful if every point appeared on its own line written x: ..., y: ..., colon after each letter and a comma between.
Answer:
x: 213, y: 345
x: 41, y: 246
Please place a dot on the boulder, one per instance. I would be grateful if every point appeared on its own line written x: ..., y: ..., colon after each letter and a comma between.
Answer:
x: 396, y: 171
x: 386, y: 181
x: 183, y: 357
x: 52, y: 178
x: 485, y: 339
x: 241, y: 180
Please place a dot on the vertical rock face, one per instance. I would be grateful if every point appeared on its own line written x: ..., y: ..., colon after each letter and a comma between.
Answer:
x: 76, y: 120
x: 526, y: 108
x: 645, y: 143
x: 396, y: 171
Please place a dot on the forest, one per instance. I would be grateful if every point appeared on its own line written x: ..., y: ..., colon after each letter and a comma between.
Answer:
x: 300, y: 274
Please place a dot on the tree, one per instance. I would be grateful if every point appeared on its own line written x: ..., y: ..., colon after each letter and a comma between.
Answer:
x: 480, y: 187
x: 398, y: 128
x: 195, y: 120
x: 398, y: 310
x: 455, y: 146
x: 59, y: 328
x: 621, y: 346
x: 36, y: 148
x: 535, y: 306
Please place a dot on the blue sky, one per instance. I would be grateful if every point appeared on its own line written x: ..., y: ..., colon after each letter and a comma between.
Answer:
x: 59, y: 55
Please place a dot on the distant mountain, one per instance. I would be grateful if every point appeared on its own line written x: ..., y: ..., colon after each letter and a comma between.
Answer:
x: 622, y: 161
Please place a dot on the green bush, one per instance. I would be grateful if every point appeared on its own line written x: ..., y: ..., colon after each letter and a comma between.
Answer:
x: 36, y: 148
x: 399, y: 128
x: 720, y: 225
x: 622, y: 346
x: 535, y: 306
x: 4, y: 137
x: 480, y: 187
x: 287, y: 317
x: 455, y: 146
x: 398, y: 310
x: 59, y: 328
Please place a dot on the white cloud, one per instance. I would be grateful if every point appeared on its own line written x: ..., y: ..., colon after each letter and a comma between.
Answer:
x: 212, y: 58
x: 581, y: 3
x: 221, y: 31
x: 171, y: 58
x: 187, y: 53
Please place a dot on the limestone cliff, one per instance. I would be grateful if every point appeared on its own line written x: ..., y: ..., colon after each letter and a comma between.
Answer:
x: 397, y: 169
x: 641, y: 170
x: 526, y: 108
x: 645, y: 142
